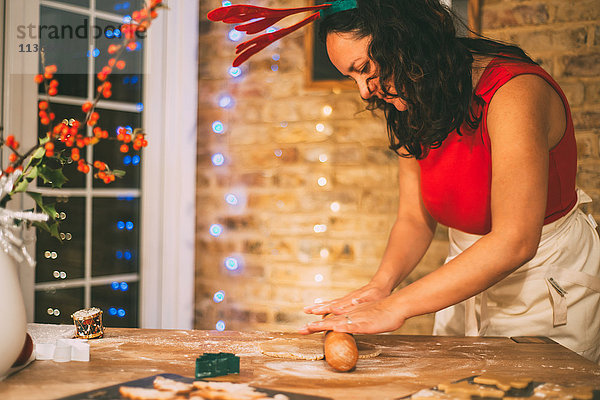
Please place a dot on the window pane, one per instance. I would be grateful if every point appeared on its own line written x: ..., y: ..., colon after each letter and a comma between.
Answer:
x: 82, y: 3
x: 56, y: 260
x: 109, y: 151
x: 75, y: 178
x: 121, y: 7
x: 64, y: 38
x: 126, y: 82
x: 55, y: 306
x: 115, y: 236
x: 118, y: 301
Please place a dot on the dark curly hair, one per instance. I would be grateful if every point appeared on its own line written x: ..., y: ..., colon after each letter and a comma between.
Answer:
x: 415, y: 45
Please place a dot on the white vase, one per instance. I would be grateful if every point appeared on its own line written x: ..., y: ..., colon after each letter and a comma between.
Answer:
x: 13, y: 321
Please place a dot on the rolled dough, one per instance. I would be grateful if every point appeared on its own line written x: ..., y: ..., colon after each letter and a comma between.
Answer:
x: 309, y: 349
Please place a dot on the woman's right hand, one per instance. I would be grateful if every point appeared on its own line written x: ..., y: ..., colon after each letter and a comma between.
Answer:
x: 369, y: 292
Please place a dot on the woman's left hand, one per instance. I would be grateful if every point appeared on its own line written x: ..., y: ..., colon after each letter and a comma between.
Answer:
x: 374, y: 317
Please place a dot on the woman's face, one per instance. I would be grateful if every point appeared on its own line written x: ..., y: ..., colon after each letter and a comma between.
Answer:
x: 351, y: 57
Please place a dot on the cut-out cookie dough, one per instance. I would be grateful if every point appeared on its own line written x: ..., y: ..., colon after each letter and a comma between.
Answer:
x: 309, y: 349
x: 465, y: 387
x: 564, y: 392
x: 503, y: 382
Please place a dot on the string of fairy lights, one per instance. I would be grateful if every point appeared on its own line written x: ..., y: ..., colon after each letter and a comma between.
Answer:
x: 234, y: 263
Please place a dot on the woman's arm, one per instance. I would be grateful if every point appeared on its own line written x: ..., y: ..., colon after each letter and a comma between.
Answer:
x: 412, y: 232
x: 522, y: 128
x: 409, y: 238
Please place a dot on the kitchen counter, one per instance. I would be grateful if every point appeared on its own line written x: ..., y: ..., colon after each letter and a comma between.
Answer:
x: 406, y: 364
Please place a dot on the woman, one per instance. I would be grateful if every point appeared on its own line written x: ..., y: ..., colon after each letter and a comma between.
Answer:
x: 486, y: 147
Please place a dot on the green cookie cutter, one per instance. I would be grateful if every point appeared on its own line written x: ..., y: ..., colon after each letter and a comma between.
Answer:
x: 217, y: 364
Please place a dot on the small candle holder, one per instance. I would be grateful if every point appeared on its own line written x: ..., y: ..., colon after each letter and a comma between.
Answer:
x: 88, y: 323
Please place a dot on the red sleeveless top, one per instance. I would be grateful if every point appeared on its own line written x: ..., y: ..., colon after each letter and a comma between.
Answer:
x: 456, y: 177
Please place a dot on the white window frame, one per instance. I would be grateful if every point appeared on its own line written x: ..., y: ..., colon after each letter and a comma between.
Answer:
x: 168, y: 171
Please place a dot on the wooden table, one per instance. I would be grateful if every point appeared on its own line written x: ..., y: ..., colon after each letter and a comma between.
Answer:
x: 406, y: 364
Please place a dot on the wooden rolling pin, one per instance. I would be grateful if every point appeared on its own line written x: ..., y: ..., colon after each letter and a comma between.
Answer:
x: 341, y: 352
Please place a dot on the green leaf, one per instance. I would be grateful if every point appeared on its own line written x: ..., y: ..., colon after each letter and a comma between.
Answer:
x: 53, y: 176
x: 32, y: 161
x: 44, y: 140
x: 45, y: 208
x: 21, y: 186
x: 39, y: 153
x: 51, y: 228
x: 32, y: 174
x: 118, y: 173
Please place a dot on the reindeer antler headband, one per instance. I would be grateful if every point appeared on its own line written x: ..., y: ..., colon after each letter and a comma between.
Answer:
x: 262, y: 18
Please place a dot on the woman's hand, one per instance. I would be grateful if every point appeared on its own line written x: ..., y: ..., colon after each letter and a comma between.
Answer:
x: 368, y: 293
x: 372, y: 317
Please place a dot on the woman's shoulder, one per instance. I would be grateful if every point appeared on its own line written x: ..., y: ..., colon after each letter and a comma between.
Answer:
x: 499, y: 71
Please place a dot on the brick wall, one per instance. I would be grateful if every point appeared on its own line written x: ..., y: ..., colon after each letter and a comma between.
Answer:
x: 564, y: 37
x: 274, y: 146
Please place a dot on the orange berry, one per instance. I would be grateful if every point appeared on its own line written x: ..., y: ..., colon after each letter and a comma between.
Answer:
x: 101, y: 175
x: 127, y: 138
x: 95, y: 116
x: 124, y: 148
x: 10, y: 140
x: 43, y: 114
x: 75, y: 156
x: 104, y: 134
x: 132, y: 46
x: 52, y: 116
x: 48, y: 75
x: 52, y: 91
x: 86, y: 107
x: 49, y: 153
x: 113, y: 48
x: 10, y: 169
x: 121, y: 64
x: 43, y: 105
x: 39, y: 78
x: 51, y: 68
x: 86, y: 169
x: 45, y: 121
x: 13, y: 157
x: 49, y: 146
x: 101, y: 77
x: 15, y: 145
x: 53, y: 83
x: 111, y: 62
x: 106, y: 94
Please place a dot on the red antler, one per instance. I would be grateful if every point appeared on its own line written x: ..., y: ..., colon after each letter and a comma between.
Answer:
x: 264, y: 18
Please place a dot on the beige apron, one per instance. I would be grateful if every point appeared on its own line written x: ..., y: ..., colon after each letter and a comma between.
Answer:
x: 556, y: 294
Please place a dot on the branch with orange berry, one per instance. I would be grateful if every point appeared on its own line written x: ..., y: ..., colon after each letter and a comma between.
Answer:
x: 72, y: 134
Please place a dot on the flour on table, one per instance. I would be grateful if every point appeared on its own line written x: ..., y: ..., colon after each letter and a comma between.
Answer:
x: 309, y: 349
